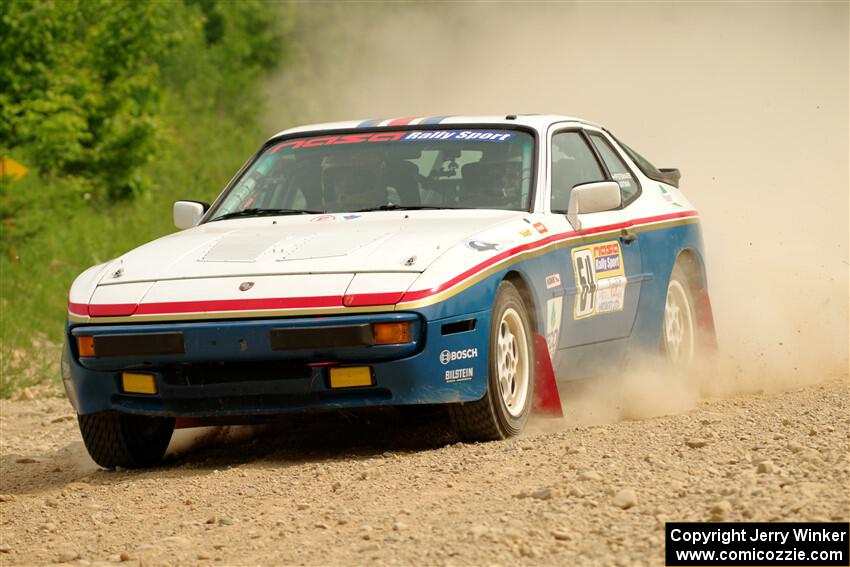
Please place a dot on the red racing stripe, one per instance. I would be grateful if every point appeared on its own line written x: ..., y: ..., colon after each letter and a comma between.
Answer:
x: 351, y: 300
x: 78, y: 308
x: 239, y: 305
x: 368, y: 299
x: 402, y: 121
x: 416, y: 295
x: 112, y: 309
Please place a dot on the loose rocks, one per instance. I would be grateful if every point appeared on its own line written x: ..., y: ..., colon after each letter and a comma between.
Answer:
x: 625, y: 499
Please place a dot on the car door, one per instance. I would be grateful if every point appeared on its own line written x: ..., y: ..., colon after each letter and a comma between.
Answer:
x: 601, y: 265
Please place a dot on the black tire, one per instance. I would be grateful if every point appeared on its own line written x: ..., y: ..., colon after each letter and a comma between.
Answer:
x: 490, y: 418
x: 125, y: 440
x: 680, y: 338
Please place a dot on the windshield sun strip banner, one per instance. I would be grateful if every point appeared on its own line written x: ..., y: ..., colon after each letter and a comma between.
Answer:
x: 397, y: 136
x: 419, y: 298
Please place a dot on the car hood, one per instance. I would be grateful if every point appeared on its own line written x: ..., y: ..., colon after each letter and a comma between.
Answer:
x: 377, y: 242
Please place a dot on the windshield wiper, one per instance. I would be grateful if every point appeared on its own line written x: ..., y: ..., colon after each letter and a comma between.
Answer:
x: 266, y: 213
x: 402, y: 208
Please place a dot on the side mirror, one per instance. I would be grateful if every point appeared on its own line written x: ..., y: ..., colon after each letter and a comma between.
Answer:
x: 188, y: 213
x: 592, y: 198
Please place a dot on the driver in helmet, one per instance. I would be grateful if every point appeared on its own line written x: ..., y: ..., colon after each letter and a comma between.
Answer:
x: 510, y: 182
x: 351, y: 187
x: 493, y: 184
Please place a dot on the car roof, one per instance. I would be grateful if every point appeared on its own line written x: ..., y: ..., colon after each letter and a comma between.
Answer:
x: 536, y: 121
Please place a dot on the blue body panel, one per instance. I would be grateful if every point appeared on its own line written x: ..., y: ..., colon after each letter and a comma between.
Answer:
x: 409, y: 374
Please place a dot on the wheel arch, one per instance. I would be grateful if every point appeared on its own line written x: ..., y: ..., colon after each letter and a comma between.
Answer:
x: 525, y: 291
x: 693, y: 264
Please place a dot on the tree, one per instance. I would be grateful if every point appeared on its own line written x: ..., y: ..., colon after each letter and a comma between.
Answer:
x: 79, y: 87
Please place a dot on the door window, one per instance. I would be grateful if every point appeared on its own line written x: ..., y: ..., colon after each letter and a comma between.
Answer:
x: 573, y: 163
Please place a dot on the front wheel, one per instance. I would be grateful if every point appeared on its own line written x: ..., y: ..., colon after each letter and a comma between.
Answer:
x: 506, y: 405
x: 125, y: 440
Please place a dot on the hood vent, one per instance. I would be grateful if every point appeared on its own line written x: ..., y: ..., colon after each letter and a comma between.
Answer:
x: 240, y: 247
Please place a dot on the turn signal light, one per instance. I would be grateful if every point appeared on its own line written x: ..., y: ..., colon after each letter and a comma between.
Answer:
x: 135, y: 383
x: 85, y: 344
x: 391, y: 333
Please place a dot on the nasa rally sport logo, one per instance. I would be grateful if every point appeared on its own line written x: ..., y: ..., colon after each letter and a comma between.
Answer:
x: 451, y: 355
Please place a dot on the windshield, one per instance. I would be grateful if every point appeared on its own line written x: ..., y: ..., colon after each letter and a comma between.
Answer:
x: 434, y: 169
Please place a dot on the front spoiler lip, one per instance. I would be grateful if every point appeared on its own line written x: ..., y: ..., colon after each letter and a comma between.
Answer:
x: 249, y: 398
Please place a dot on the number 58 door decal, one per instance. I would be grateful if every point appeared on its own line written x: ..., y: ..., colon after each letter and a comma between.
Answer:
x: 600, y: 279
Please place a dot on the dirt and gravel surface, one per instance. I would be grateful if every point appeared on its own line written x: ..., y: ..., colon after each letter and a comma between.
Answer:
x: 382, y: 489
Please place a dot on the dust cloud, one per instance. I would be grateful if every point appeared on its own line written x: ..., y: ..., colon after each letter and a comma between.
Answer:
x: 749, y: 100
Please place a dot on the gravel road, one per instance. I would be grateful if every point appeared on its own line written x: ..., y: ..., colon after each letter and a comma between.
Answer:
x: 382, y: 489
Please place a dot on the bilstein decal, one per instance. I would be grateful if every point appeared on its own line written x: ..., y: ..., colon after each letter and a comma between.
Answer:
x: 459, y: 375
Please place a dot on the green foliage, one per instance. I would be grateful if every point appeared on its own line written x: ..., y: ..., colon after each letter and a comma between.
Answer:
x: 82, y: 82
x: 118, y: 108
x: 79, y: 86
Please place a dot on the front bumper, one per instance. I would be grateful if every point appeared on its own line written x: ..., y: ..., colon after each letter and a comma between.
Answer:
x: 232, y: 368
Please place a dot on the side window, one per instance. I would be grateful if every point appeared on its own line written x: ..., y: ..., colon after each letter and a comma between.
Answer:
x: 573, y: 163
x: 619, y: 172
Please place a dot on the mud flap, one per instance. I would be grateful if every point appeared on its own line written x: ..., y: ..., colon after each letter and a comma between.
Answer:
x: 547, y: 400
x: 705, y: 321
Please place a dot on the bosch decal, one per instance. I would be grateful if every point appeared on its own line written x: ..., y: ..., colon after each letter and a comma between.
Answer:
x: 553, y: 281
x: 451, y: 355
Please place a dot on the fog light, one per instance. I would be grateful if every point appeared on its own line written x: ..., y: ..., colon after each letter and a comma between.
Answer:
x: 351, y: 377
x: 391, y: 333
x: 135, y: 383
x: 85, y: 345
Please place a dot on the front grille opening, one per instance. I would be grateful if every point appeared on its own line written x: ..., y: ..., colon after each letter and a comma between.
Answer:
x: 458, y: 327
x: 293, y: 338
x: 230, y: 372
x: 139, y: 344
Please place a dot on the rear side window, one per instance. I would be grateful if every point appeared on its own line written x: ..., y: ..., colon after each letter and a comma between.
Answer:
x: 573, y: 163
x: 619, y: 171
x: 645, y: 166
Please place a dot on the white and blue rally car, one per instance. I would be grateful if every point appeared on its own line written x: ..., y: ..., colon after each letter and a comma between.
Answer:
x: 457, y: 260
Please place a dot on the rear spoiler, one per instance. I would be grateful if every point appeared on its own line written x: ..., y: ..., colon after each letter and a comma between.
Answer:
x: 671, y: 176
